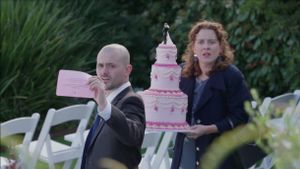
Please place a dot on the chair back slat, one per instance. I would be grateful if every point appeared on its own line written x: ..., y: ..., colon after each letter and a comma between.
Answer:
x: 279, y: 104
x: 70, y: 113
x: 55, y: 151
x: 21, y: 125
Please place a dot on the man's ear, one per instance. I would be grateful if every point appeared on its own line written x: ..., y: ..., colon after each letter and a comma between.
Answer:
x: 129, y: 69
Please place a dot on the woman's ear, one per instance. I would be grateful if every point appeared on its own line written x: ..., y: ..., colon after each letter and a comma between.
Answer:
x: 195, y: 58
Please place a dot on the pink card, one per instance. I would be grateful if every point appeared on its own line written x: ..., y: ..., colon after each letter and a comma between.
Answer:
x: 73, y: 83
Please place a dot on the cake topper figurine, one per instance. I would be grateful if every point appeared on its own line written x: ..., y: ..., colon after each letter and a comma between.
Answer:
x: 165, y: 32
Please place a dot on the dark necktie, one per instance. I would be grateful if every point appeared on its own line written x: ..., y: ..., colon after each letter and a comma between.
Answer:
x: 89, y: 139
x: 93, y: 129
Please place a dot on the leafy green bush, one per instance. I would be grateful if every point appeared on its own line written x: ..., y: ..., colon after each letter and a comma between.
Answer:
x: 265, y: 36
x: 37, y: 39
x: 266, y: 39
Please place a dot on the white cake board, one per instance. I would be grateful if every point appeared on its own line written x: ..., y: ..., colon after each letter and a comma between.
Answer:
x: 183, y: 130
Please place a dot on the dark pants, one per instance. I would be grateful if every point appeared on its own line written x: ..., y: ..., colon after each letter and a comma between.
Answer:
x: 188, y: 158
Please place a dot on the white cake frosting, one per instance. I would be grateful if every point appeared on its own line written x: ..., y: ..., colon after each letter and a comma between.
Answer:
x: 165, y: 77
x: 166, y: 53
x: 165, y: 104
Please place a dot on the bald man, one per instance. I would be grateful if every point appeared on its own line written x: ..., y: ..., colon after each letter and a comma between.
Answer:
x: 118, y: 131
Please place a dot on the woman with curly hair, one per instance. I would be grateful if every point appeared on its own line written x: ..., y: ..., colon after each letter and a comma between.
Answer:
x: 216, y: 92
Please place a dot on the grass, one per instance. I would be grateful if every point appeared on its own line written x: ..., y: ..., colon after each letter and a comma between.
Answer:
x: 7, y: 144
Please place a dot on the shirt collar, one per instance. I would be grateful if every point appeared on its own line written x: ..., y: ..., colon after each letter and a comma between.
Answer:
x: 116, y: 91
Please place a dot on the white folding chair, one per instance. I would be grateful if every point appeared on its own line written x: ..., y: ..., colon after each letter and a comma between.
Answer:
x: 150, y: 144
x: 162, y: 159
x: 156, y: 155
x: 52, y: 152
x: 296, y: 116
x: 21, y: 125
x: 284, y: 104
x: 287, y: 104
x: 263, y: 108
x: 297, y: 92
x: 292, y: 117
x: 279, y: 103
x: 71, y: 136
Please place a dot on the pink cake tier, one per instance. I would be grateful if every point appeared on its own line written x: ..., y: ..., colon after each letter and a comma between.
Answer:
x: 165, y: 109
x: 166, y: 53
x: 165, y: 76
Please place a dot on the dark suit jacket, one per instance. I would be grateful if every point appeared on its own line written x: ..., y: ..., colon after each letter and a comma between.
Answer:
x: 221, y: 103
x: 120, y: 137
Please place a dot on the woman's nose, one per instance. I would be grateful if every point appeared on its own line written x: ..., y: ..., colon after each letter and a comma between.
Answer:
x: 204, y: 45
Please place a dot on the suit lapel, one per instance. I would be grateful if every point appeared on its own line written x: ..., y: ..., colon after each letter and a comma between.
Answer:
x: 121, y: 95
x: 113, y: 102
x: 187, y: 85
x: 206, y: 95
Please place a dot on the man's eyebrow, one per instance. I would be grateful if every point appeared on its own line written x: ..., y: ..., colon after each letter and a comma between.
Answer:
x: 109, y: 63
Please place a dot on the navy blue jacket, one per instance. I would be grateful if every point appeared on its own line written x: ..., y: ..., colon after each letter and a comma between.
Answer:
x: 221, y: 103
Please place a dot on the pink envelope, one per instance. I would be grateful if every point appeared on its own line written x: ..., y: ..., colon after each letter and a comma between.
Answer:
x: 73, y: 83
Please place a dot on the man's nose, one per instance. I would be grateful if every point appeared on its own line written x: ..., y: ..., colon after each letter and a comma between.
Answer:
x: 105, y: 70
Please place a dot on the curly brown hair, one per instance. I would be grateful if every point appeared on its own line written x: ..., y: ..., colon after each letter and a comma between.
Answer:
x: 226, y: 57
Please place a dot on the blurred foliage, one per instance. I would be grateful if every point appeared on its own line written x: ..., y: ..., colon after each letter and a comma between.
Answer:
x: 227, y: 143
x: 282, y: 143
x: 10, y: 150
x: 51, y: 35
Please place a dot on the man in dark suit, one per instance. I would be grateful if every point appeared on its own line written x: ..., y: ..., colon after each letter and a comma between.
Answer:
x: 118, y: 131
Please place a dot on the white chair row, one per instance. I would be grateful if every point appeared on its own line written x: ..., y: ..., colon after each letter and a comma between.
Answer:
x: 44, y: 148
x: 155, y: 145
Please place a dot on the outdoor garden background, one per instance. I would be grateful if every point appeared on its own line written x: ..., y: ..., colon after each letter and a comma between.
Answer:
x: 40, y: 37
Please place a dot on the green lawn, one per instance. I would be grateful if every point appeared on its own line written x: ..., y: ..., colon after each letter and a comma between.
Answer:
x: 12, y: 141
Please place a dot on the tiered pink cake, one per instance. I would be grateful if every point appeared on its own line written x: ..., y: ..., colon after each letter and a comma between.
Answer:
x: 165, y: 104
